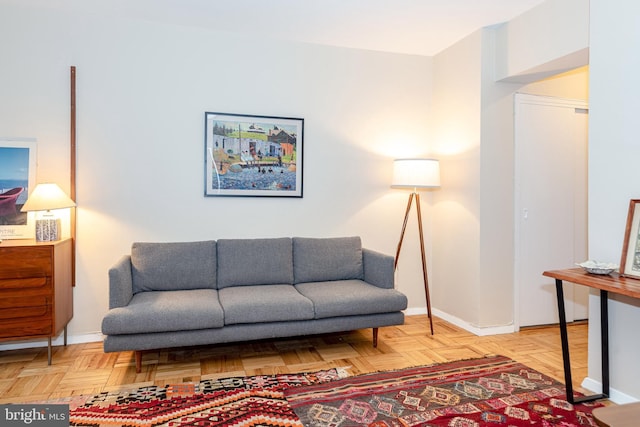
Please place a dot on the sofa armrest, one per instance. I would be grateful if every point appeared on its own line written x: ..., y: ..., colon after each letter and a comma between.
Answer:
x: 378, y: 269
x: 120, y: 283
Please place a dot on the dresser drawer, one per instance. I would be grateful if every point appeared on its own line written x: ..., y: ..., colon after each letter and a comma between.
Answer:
x: 25, y: 262
x: 25, y: 322
x: 21, y: 301
x: 19, y: 313
x: 17, y: 293
x: 28, y: 284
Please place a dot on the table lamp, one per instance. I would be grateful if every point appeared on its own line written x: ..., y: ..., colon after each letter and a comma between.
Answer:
x: 416, y: 174
x: 46, y: 197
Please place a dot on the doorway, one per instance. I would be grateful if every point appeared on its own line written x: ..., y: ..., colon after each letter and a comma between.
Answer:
x: 550, y: 205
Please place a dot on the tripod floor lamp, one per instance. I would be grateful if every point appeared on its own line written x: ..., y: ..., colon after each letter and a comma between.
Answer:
x: 416, y: 174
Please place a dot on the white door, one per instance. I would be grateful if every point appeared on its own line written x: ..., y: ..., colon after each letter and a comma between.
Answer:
x: 550, y: 205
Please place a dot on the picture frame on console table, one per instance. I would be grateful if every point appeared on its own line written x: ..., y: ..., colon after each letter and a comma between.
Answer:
x: 630, y: 262
x: 248, y: 155
x: 17, y: 179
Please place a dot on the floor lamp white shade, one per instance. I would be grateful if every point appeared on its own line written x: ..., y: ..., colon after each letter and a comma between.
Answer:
x: 415, y: 174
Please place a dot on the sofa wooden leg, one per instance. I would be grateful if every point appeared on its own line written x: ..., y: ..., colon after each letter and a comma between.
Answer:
x: 138, y: 361
x: 375, y: 337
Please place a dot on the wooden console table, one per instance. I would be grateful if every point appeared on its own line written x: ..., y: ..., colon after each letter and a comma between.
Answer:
x: 605, y: 283
x: 36, y: 297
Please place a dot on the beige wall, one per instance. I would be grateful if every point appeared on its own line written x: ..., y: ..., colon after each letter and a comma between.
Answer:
x: 496, y: 299
x: 456, y: 206
x: 572, y: 84
x: 473, y: 220
x: 613, y: 178
x: 143, y: 89
x: 544, y: 41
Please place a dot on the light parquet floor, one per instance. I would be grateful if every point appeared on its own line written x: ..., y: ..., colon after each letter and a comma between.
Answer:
x: 86, y: 369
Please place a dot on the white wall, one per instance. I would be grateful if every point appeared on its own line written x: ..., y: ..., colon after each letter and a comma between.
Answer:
x: 460, y: 278
x: 473, y: 220
x: 497, y: 193
x: 614, y: 151
x: 456, y: 210
x: 573, y: 84
x: 530, y: 48
x: 497, y: 232
x: 143, y: 89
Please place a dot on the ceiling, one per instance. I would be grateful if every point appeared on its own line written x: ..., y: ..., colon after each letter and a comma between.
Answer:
x: 418, y: 27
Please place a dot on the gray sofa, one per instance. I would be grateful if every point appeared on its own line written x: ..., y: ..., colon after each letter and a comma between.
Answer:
x: 166, y: 295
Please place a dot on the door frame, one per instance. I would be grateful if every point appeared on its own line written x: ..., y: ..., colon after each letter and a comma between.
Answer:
x: 523, y: 98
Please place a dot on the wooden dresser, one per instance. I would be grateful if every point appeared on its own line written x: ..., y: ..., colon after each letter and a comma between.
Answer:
x: 36, y: 295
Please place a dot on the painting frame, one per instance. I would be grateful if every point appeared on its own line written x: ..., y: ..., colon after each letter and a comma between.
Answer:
x: 253, y: 155
x: 630, y: 260
x: 17, y: 170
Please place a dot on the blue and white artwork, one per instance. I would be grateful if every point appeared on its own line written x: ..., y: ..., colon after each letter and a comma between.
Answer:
x: 17, y: 175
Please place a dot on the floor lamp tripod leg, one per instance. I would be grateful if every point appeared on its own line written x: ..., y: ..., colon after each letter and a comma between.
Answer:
x: 424, y: 264
x: 404, y: 227
x: 422, y: 251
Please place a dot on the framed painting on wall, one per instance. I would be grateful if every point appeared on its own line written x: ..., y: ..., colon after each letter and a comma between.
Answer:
x: 248, y: 155
x: 630, y: 262
x: 17, y: 178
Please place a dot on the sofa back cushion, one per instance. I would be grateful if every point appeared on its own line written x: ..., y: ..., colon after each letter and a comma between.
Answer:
x: 173, y: 266
x: 327, y: 259
x: 245, y: 262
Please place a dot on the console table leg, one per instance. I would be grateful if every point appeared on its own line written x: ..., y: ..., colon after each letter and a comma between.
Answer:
x: 604, y: 330
x: 49, y: 351
x: 604, y: 334
x: 564, y: 338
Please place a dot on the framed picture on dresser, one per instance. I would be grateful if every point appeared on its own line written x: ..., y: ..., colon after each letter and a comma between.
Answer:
x: 630, y: 262
x: 17, y: 178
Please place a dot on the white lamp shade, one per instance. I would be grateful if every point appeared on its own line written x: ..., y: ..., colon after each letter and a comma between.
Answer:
x: 416, y: 173
x: 46, y: 197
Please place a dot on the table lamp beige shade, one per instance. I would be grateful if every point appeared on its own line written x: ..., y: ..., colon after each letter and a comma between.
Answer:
x: 46, y: 197
x: 416, y: 174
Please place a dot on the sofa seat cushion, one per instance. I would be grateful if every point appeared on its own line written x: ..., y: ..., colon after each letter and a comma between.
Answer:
x: 247, y: 262
x: 173, y: 266
x: 351, y: 298
x: 163, y: 311
x: 264, y: 303
x: 320, y: 259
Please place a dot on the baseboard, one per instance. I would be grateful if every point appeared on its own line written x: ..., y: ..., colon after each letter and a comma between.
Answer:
x: 615, y: 396
x: 98, y: 337
x: 476, y: 330
x: 59, y: 340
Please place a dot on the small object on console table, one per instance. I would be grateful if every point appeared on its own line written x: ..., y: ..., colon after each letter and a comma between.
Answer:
x: 595, y: 267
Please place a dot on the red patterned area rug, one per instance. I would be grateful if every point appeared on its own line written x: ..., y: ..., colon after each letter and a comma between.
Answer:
x: 237, y: 401
x: 491, y: 391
